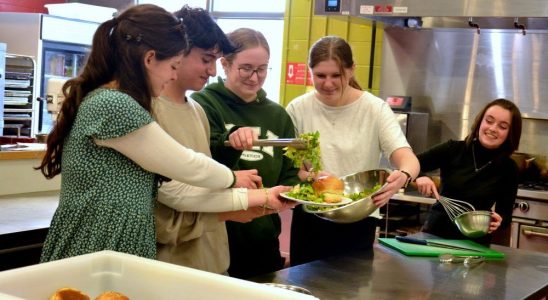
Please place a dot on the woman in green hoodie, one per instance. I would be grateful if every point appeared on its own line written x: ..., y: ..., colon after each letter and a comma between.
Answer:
x: 238, y: 111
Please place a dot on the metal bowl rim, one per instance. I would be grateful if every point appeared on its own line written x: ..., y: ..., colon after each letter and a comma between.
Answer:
x: 474, y: 212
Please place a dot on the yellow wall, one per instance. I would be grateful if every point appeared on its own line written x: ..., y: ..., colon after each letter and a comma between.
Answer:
x: 302, y: 28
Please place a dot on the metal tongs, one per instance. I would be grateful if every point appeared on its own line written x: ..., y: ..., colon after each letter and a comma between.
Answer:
x: 294, y: 143
x: 468, y: 261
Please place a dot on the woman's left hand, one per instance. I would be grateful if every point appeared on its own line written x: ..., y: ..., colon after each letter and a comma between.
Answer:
x: 395, y: 180
x: 496, y: 220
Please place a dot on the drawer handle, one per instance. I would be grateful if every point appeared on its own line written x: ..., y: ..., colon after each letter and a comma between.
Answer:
x: 529, y: 232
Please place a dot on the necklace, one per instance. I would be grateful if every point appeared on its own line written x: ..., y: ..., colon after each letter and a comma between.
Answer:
x: 474, y: 157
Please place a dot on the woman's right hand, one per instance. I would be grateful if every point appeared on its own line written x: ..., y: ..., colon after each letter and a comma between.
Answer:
x: 427, y: 187
x: 249, y: 179
x: 310, y: 175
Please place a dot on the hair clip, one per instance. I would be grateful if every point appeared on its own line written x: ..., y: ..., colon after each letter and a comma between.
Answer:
x: 139, y: 38
x: 128, y: 37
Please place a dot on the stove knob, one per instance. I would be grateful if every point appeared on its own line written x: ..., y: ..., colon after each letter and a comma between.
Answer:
x: 523, y: 206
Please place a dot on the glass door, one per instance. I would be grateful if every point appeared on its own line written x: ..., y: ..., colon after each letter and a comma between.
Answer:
x: 60, y: 62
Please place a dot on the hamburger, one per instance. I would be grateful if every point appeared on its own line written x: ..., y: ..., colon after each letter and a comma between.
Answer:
x: 69, y: 294
x: 330, y: 188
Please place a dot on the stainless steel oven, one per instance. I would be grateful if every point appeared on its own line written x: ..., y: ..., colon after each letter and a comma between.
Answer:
x: 529, y: 228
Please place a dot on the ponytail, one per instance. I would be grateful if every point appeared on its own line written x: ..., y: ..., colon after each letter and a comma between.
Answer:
x: 117, y: 53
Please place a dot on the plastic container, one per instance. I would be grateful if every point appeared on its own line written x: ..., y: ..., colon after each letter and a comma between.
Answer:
x: 136, y: 277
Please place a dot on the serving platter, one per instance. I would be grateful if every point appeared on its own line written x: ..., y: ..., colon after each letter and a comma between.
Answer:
x: 344, y: 201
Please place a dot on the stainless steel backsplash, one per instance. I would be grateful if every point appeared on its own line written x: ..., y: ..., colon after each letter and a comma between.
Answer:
x: 452, y: 73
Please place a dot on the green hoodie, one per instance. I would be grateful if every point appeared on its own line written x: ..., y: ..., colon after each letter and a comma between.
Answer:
x: 254, y: 246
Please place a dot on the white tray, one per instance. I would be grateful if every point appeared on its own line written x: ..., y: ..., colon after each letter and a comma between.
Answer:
x: 136, y: 277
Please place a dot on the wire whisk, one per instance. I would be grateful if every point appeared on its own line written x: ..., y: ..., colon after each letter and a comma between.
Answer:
x: 455, y: 208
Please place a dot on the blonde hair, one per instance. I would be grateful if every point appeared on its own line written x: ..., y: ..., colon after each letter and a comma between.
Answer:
x: 246, y: 38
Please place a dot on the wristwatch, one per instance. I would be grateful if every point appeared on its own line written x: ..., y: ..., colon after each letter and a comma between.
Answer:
x: 409, y: 178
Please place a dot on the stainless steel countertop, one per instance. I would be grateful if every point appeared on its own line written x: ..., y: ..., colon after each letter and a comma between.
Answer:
x: 384, y: 273
x: 26, y: 212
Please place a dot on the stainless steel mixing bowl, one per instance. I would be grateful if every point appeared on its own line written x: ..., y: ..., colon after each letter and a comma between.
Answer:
x: 359, y: 209
x: 474, y: 224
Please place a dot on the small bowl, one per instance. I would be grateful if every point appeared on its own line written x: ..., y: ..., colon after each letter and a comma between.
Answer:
x: 474, y: 224
x: 359, y: 209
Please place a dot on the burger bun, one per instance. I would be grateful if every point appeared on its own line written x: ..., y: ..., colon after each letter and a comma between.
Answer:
x: 111, y: 295
x: 69, y: 294
x: 331, y: 187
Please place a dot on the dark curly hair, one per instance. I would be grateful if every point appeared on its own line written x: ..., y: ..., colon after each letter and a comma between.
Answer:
x: 202, y: 31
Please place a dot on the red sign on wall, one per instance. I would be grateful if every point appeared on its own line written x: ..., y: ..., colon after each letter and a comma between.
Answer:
x: 295, y: 73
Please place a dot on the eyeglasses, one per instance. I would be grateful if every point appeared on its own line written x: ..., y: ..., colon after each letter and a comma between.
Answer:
x: 248, y: 72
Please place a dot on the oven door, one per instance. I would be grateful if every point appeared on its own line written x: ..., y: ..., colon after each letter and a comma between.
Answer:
x: 533, y: 238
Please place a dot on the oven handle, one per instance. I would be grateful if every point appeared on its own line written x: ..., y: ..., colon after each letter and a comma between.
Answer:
x: 530, y: 232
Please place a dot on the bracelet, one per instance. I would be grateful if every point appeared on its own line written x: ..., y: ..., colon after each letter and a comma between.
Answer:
x: 409, y: 178
x: 234, y: 179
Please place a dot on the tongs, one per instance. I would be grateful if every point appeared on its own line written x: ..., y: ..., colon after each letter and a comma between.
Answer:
x: 294, y: 143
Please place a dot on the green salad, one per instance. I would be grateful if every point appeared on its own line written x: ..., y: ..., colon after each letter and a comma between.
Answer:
x: 305, y: 192
x: 355, y: 196
x: 309, y: 155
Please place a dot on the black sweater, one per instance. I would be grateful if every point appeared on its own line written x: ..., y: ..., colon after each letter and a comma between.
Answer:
x: 496, y: 182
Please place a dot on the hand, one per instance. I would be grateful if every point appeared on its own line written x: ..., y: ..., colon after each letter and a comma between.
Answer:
x: 277, y: 202
x: 395, y: 181
x: 427, y: 187
x: 310, y: 175
x: 242, y: 138
x: 496, y: 220
x: 245, y: 216
x: 248, y: 179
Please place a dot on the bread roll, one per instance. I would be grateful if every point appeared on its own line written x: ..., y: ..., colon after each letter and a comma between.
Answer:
x: 331, y: 187
x: 111, y: 295
x: 68, y: 294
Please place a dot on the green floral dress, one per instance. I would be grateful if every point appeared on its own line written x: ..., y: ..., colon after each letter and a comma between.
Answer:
x: 106, y: 200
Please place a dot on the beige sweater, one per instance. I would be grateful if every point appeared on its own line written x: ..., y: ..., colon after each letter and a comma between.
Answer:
x: 192, y: 239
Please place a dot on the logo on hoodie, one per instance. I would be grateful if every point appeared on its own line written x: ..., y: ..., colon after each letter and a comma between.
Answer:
x: 258, y: 152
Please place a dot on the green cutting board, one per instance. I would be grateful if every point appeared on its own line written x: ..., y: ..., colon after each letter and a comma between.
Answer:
x: 424, y: 250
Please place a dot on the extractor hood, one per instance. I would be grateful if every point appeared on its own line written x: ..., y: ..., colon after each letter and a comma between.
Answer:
x: 489, y: 14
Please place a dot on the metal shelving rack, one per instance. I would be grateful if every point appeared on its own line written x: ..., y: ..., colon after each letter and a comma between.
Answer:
x: 18, y: 95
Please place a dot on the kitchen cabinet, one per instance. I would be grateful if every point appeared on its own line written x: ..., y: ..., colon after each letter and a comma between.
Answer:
x: 21, y: 249
x: 24, y: 223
